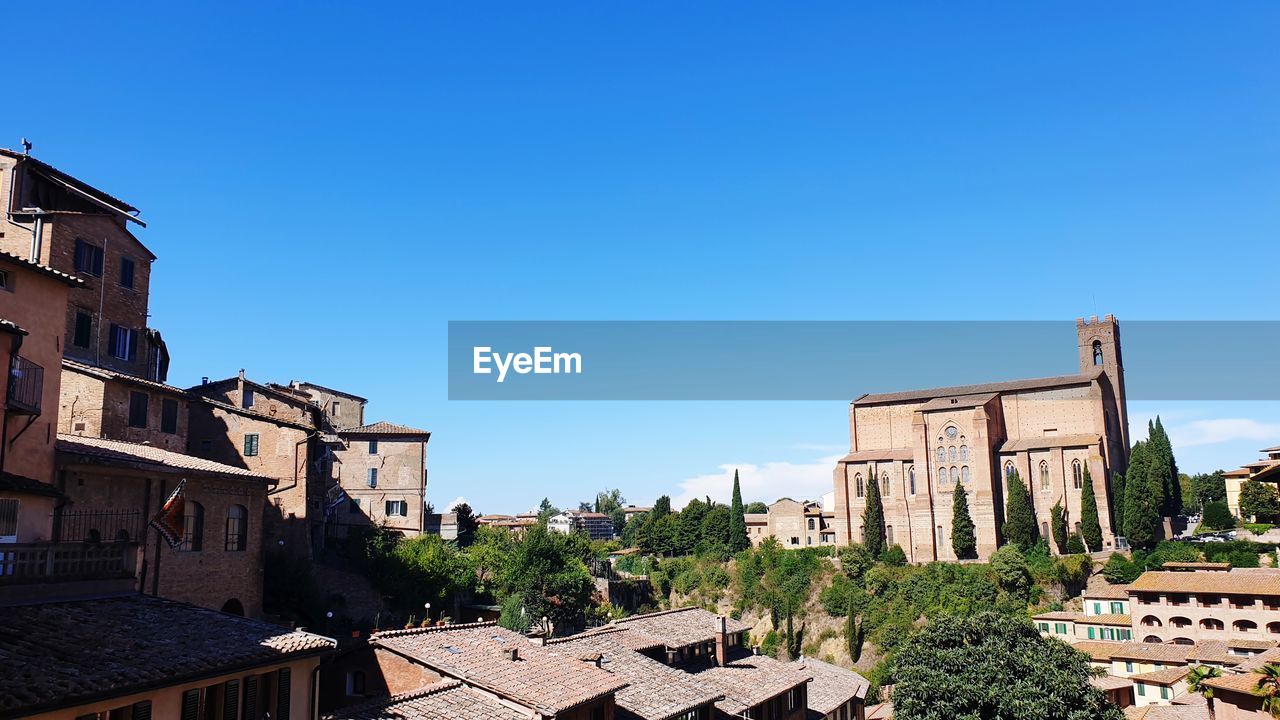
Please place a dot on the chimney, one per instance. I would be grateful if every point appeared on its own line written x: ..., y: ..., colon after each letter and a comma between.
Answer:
x: 512, y: 654
x: 722, y: 641
x: 204, y: 380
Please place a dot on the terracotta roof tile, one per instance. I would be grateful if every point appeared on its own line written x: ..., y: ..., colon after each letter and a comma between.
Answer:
x: 681, y: 627
x: 832, y: 686
x: 118, y: 451
x: 1163, y: 676
x: 444, y: 700
x: 750, y: 680
x: 477, y: 653
x: 42, y: 269
x: 1241, y: 581
x: 1110, y: 682
x: 105, y: 374
x: 1106, y: 591
x: 1097, y: 650
x: 382, y: 428
x: 1167, y: 712
x: 996, y: 387
x: 60, y: 654
x: 1049, y: 441
x: 1245, y: 682
x: 1106, y: 619
x: 1152, y: 652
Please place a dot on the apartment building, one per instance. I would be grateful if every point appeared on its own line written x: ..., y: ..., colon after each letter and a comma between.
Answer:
x: 103, y: 403
x: 594, y: 525
x: 794, y: 524
x: 1184, y: 607
x: 1267, y: 470
x: 382, y: 469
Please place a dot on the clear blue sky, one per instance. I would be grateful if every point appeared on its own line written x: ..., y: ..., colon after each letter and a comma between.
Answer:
x: 327, y: 186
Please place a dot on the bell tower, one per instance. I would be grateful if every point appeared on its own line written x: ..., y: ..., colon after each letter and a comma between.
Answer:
x: 1099, y: 348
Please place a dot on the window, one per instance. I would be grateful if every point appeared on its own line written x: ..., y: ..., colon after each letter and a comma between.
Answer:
x: 246, y: 400
x: 1044, y: 529
x: 951, y: 453
x: 237, y: 528
x: 353, y: 506
x: 884, y: 484
x: 1060, y: 628
x: 964, y: 453
x: 888, y: 536
x: 811, y: 527
x: 942, y: 454
x: 251, y: 445
x: 1044, y: 475
x: 964, y: 474
x: 337, y: 408
x: 373, y: 447
x: 192, y: 527
x: 1077, y: 475
x: 940, y: 536
x: 8, y: 518
x: 84, y: 329
x: 168, y: 415
x: 1142, y: 689
x: 137, y: 409
x: 6, y: 283
x: 88, y: 258
x: 1164, y: 692
x: 126, y: 272
x: 373, y: 477
x: 1091, y: 633
x: 1244, y: 626
x: 955, y: 475
x: 123, y: 343
x: 1128, y: 666
x: 1117, y: 608
x: 911, y: 479
x: 857, y: 479
x: 1097, y: 352
x: 1008, y: 470
x: 355, y: 683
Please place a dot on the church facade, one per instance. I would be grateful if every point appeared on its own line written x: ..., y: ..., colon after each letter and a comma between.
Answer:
x: 917, y: 445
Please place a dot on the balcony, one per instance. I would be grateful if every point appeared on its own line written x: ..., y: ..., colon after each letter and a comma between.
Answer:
x: 23, y: 564
x: 26, y: 386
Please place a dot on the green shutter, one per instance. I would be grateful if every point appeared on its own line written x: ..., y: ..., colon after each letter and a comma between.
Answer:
x: 231, y: 700
x: 191, y: 705
x: 1090, y: 633
x: 282, y: 694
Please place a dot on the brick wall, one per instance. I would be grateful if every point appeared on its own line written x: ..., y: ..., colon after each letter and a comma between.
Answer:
x: 400, y: 463
x: 97, y: 407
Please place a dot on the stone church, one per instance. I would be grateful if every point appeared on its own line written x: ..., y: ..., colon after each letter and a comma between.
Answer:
x: 917, y: 444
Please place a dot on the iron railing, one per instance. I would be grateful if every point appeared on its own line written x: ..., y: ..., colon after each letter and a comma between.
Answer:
x: 26, y: 386
x: 39, y: 562
x: 105, y: 526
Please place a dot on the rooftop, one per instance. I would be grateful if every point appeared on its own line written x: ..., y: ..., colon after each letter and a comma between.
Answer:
x: 1167, y: 712
x: 1240, y: 581
x: 751, y: 680
x: 146, y: 457
x: 1049, y: 441
x: 832, y: 686
x: 1163, y: 676
x: 1098, y: 650
x: 42, y: 269
x: 22, y: 484
x: 1106, y: 591
x: 105, y: 374
x: 479, y: 653
x: 63, y: 663
x: 996, y: 387
x: 655, y: 691
x: 682, y: 627
x: 384, y: 428
x: 443, y: 700
x: 1151, y: 652
x: 1197, y: 565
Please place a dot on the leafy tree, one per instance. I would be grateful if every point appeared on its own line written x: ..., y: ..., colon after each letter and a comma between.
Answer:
x: 546, y: 510
x: 756, y: 508
x: 895, y: 556
x: 1142, y: 499
x: 1075, y: 546
x: 1217, y: 516
x: 1090, y: 526
x: 467, y: 524
x: 1258, y: 500
x: 1011, y: 571
x: 662, y: 534
x: 996, y: 667
x: 423, y: 569
x: 546, y: 570
x: 714, y: 534
x: 618, y: 517
x: 738, y: 540
x: 1019, y: 519
x: 1117, y: 502
x: 856, y: 560
x: 1196, y: 684
x: 1058, y: 522
x: 661, y: 506
x: 873, y: 518
x: 1268, y: 688
x: 1208, y: 487
x: 609, y: 500
x: 689, y: 526
x: 963, y: 540
x: 1120, y: 570
x: 485, y: 557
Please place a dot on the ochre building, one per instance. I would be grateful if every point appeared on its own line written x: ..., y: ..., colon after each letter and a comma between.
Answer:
x: 918, y: 444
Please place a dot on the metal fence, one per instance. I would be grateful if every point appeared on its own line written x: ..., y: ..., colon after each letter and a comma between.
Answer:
x: 98, y: 526
x: 26, y: 385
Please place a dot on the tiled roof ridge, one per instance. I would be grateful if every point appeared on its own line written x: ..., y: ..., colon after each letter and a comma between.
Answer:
x: 196, y: 397
x: 382, y: 427
x: 602, y: 631
x: 658, y: 613
x: 197, y: 464
x: 42, y: 268
x: 978, y: 388
x: 109, y: 374
x: 434, y: 628
x: 435, y: 688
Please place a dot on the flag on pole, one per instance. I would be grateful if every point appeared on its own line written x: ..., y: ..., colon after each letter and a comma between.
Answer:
x: 170, y: 521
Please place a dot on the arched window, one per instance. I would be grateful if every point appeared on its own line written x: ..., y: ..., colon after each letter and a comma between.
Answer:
x: 233, y: 607
x: 942, y: 454
x: 1183, y: 641
x: 888, y: 535
x: 1244, y: 626
x: 941, y: 535
x: 237, y: 528
x: 1273, y: 628
x: 1077, y: 474
x: 1008, y: 469
x: 911, y: 479
x: 1152, y: 639
x: 1044, y: 529
x: 1097, y: 352
x: 884, y: 484
x: 955, y: 475
x: 1214, y: 624
x: 192, y: 527
x: 857, y: 480
x: 1151, y: 621
x: 1179, y: 622
x: 964, y: 453
x: 951, y: 453
x: 1044, y: 475
x: 964, y: 474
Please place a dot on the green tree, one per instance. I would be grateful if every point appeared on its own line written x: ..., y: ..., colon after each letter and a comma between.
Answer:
x: 1165, y: 468
x: 1258, y: 500
x: 738, y: 540
x: 1058, y: 524
x: 1117, y: 502
x: 1196, y: 684
x: 873, y: 518
x: 609, y: 500
x: 487, y: 555
x: 467, y: 524
x: 426, y: 569
x: 963, y: 541
x: 1120, y: 570
x: 1075, y: 546
x: 1019, y: 518
x: 1011, y: 571
x: 996, y: 667
x: 1217, y: 516
x: 714, y: 535
x: 853, y: 629
x: 547, y: 571
x: 1090, y: 526
x: 756, y: 508
x: 1142, y: 497
x: 661, y: 506
x: 689, y: 527
x: 1268, y: 688
x: 546, y: 510
x: 1208, y: 487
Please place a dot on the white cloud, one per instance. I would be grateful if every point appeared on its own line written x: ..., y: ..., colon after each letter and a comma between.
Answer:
x: 768, y: 482
x: 1221, y: 430
x: 454, y: 503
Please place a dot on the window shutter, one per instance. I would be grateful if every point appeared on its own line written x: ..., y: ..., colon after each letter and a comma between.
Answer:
x: 191, y: 705
x: 230, y: 702
x: 142, y: 710
x: 251, y: 697
x: 282, y: 694
x: 133, y: 344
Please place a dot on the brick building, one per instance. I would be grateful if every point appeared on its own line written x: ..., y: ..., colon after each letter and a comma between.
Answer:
x: 917, y: 445
x: 103, y: 403
x: 75, y: 228
x: 793, y: 523
x: 382, y: 469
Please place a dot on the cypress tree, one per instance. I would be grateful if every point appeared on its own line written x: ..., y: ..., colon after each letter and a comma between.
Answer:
x: 963, y: 541
x: 1168, y: 468
x: 1019, y: 519
x: 738, y: 540
x: 1142, y: 494
x: 1058, y: 522
x: 1117, y: 502
x: 853, y: 631
x: 873, y: 518
x: 1090, y: 526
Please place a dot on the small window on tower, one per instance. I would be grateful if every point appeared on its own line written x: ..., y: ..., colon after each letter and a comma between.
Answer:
x: 1097, y: 352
